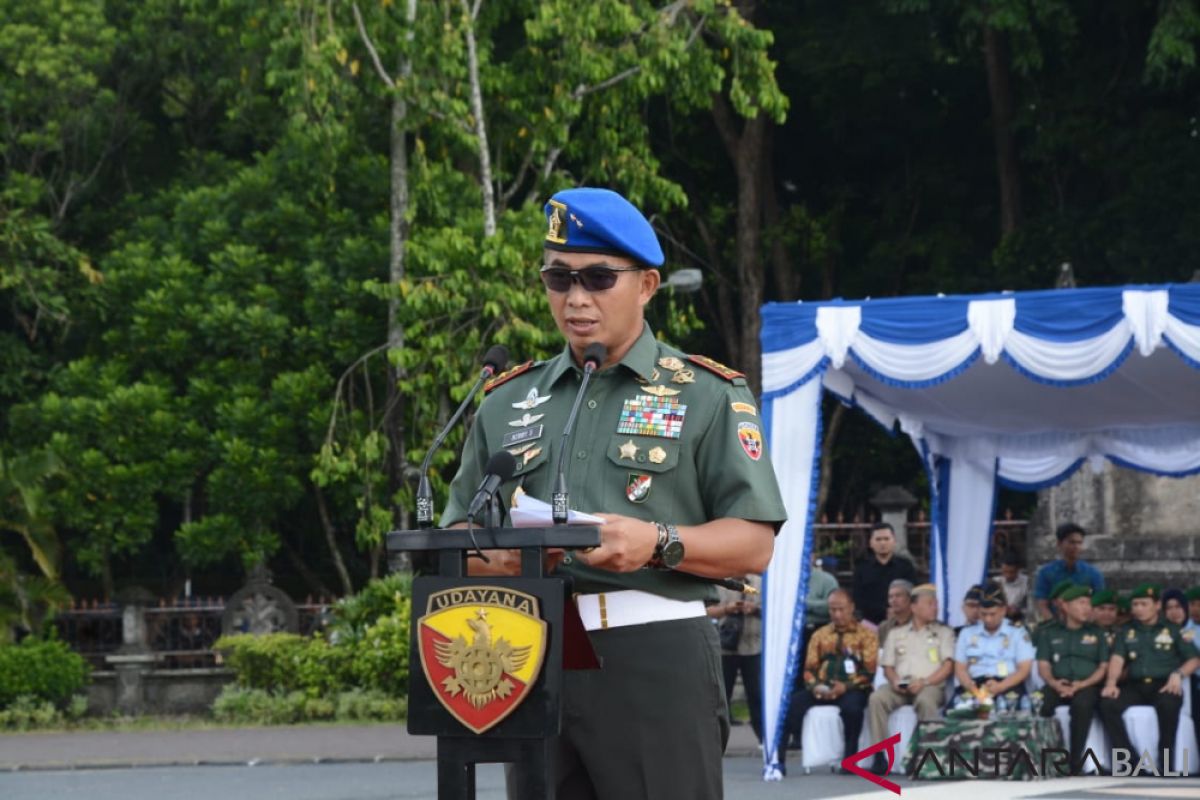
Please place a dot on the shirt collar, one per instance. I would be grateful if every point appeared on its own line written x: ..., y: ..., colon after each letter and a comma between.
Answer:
x: 640, y: 359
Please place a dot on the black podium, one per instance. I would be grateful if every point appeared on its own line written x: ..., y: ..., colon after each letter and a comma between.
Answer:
x: 474, y: 637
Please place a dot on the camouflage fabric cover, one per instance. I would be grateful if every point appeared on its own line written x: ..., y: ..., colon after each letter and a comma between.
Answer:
x: 1009, y: 733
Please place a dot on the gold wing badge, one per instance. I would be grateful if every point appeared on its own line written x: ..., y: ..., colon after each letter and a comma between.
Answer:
x: 479, y: 667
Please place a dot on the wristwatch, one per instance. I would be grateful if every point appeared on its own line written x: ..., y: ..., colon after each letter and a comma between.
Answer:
x: 672, y: 552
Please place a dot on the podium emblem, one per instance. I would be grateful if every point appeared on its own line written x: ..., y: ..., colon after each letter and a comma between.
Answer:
x: 482, y: 649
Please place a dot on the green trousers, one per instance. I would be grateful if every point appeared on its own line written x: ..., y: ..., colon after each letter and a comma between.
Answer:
x: 651, y: 724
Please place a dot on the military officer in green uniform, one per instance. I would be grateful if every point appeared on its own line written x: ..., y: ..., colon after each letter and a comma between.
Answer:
x: 1159, y: 661
x: 1072, y: 658
x: 1056, y: 619
x: 1104, y: 614
x: 669, y: 449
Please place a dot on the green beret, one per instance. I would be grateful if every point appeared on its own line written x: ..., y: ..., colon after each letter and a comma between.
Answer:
x: 1104, y: 597
x: 993, y: 595
x: 1074, y: 592
x: 1193, y: 593
x: 1123, y: 603
x: 1060, y: 587
x: 1150, y: 590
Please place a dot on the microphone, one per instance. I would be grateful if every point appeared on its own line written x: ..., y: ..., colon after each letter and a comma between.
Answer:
x: 494, y: 360
x: 593, y: 356
x: 500, y: 467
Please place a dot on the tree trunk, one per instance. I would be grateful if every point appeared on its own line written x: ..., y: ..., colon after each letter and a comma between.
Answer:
x: 396, y: 406
x: 786, y: 273
x: 485, y: 158
x: 314, y: 582
x: 331, y: 540
x: 745, y: 151
x: 995, y: 56
x: 826, y: 479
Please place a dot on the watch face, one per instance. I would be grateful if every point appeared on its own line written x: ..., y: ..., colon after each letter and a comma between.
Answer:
x: 672, y: 554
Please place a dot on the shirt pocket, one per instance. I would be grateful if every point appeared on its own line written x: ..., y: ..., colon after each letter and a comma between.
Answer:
x: 532, y: 473
x: 644, y: 453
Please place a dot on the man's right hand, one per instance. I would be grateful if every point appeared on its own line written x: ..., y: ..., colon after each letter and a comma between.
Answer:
x: 1111, y: 692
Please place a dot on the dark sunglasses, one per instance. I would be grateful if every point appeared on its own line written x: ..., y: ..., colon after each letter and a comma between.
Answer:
x: 592, y: 279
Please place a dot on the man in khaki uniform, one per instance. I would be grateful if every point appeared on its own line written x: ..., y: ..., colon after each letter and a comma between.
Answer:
x: 917, y: 660
x: 669, y: 449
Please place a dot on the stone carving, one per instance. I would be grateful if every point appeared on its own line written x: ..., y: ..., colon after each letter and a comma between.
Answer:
x: 258, y: 608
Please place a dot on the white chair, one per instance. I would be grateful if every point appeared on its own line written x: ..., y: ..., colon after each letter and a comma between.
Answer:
x: 1141, y: 723
x: 821, y: 736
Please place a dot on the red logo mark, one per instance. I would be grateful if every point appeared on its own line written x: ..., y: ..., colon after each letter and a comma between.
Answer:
x: 851, y: 762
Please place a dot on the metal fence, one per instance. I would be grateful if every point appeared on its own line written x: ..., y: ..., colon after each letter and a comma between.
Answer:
x: 181, y: 631
x: 848, y: 542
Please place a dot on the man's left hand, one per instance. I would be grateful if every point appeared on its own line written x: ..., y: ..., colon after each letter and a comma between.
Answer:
x: 626, y: 544
x: 1174, y: 685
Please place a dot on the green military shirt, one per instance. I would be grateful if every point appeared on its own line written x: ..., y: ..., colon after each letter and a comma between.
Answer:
x: 1152, y: 651
x: 1043, y: 630
x: 659, y: 437
x: 1073, y: 654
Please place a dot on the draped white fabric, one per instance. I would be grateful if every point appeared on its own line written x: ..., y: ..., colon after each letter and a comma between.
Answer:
x: 794, y: 434
x: 1017, y: 387
x: 1145, y: 324
x: 972, y: 489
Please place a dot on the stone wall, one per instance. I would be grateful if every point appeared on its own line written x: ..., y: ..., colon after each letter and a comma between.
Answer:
x: 167, y: 691
x: 1140, y: 526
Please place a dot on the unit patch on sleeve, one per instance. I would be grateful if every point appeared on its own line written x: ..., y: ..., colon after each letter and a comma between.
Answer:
x: 647, y: 415
x: 751, y: 439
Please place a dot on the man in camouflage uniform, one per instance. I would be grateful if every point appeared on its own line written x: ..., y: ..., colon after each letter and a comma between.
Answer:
x: 1072, y: 660
x: 1159, y: 661
x: 838, y: 669
x: 917, y: 660
x: 669, y: 450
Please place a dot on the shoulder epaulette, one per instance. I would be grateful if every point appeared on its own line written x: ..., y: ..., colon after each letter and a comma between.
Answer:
x: 508, y: 375
x: 728, y: 373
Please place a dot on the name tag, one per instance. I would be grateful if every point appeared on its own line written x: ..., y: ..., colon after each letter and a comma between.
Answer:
x: 850, y: 667
x: 1002, y: 669
x: 933, y: 655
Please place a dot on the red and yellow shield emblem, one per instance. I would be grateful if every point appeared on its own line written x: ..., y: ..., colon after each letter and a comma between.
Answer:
x: 481, y: 648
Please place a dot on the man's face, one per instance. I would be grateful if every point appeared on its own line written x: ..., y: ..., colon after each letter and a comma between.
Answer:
x: 1009, y: 571
x: 924, y: 609
x: 1105, y: 615
x: 899, y: 602
x: 971, y: 611
x: 1078, y: 610
x: 841, y: 610
x: 1144, y: 609
x: 613, y: 316
x: 1071, y: 547
x: 1194, y: 610
x: 992, y: 617
x: 882, y: 542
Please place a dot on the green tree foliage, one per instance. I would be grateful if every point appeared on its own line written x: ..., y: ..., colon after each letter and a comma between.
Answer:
x: 251, y: 252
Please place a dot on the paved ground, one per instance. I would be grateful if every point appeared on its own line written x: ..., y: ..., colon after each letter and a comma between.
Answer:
x: 335, y: 763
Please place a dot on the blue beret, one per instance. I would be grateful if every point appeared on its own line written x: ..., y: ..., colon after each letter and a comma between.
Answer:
x: 600, y: 221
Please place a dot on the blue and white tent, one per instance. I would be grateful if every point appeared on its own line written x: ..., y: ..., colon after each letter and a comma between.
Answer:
x: 1019, y: 388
